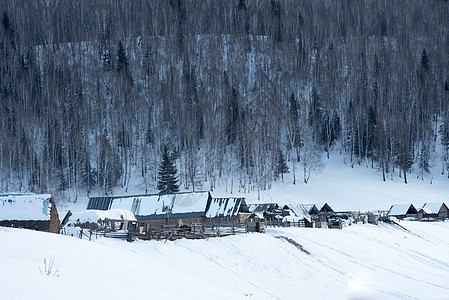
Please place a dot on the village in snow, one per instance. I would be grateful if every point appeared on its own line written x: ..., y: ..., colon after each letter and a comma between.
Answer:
x: 195, y: 245
x: 225, y: 149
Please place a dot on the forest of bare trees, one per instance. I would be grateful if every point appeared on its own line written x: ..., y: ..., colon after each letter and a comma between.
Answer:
x: 91, y: 91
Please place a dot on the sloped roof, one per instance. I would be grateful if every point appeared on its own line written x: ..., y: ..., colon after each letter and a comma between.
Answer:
x: 433, y: 208
x: 155, y: 206
x: 324, y: 207
x: 224, y: 207
x: 261, y: 208
x: 402, y: 209
x: 425, y: 210
x: 311, y: 208
x: 300, y: 211
x: 34, y: 207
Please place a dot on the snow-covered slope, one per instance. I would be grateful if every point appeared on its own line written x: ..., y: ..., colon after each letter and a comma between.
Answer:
x: 358, y: 262
x: 355, y: 188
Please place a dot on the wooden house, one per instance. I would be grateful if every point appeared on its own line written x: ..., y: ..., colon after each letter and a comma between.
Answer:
x: 256, y: 222
x: 270, y: 211
x: 402, y: 211
x: 29, y: 211
x: 299, y: 213
x: 437, y: 210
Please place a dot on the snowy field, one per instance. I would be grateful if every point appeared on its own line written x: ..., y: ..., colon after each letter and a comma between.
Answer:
x: 358, y: 262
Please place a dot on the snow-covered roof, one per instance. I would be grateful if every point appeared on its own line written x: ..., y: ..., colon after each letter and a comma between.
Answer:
x: 153, y: 206
x: 324, y: 207
x: 401, y: 209
x: 425, y: 210
x: 224, y: 207
x: 311, y: 208
x: 433, y: 208
x: 261, y: 208
x: 93, y: 216
x: 300, y: 211
x: 25, y: 207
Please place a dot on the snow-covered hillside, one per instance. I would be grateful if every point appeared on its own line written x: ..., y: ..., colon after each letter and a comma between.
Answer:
x: 358, y: 262
x: 344, y: 187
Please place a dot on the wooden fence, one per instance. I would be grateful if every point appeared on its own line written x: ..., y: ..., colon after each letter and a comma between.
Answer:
x: 194, y: 231
x: 279, y: 223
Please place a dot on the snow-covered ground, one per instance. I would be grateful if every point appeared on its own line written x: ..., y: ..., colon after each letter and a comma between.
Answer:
x: 354, y: 188
x: 358, y: 262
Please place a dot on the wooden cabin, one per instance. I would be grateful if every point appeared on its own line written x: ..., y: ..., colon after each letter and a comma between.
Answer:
x: 402, y: 211
x: 29, y: 211
x: 437, y: 211
x: 256, y: 223
x: 298, y: 213
x: 270, y: 211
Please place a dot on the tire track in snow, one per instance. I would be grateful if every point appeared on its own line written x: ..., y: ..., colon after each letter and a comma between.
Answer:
x: 374, y: 268
x: 229, y: 270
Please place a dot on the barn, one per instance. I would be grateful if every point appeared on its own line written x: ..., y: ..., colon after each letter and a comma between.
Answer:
x: 29, y: 211
x: 437, y: 210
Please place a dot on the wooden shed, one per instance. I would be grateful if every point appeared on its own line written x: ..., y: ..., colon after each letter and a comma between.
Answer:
x: 256, y: 223
x: 29, y: 211
x: 438, y: 210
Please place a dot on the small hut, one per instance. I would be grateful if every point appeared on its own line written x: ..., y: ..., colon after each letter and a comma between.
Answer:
x: 434, y: 211
x: 29, y: 211
x: 402, y: 211
x: 256, y: 223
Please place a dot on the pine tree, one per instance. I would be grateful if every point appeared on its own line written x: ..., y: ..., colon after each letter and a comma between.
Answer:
x: 168, y: 181
x: 281, y: 167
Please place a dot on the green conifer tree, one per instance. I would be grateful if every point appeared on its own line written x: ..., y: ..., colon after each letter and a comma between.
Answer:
x: 282, y: 166
x: 168, y: 179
